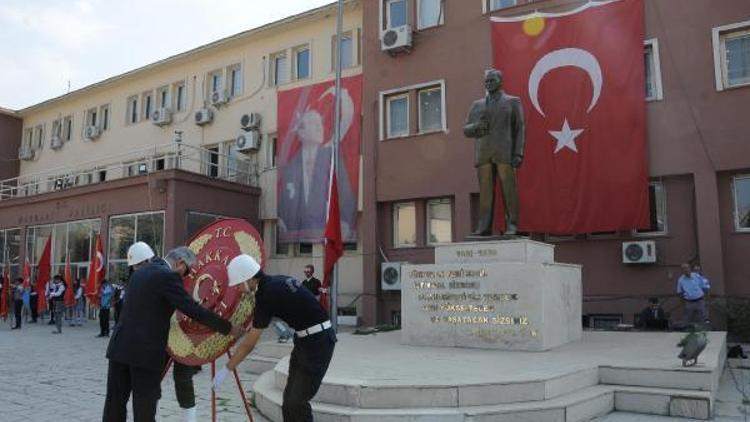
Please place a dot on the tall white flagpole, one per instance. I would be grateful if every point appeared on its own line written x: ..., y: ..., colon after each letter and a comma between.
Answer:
x: 335, y: 154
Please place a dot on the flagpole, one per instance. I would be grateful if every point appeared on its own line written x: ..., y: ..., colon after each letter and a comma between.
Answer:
x: 335, y: 154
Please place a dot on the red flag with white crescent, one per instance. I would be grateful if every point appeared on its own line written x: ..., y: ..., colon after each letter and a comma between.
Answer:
x: 96, y: 272
x: 43, y: 275
x: 580, y: 77
x: 70, y: 296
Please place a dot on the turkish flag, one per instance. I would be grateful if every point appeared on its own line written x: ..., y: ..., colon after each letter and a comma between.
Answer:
x: 334, y: 245
x: 70, y: 295
x: 96, y: 272
x: 43, y: 275
x: 580, y: 76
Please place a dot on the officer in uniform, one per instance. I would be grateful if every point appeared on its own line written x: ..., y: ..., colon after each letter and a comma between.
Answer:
x: 285, y: 298
x: 136, y: 351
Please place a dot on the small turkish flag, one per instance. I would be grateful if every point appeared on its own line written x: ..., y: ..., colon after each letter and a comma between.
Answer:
x: 580, y: 76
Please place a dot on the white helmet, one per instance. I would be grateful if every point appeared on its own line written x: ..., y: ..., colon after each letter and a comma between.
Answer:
x: 139, y: 252
x: 241, y: 269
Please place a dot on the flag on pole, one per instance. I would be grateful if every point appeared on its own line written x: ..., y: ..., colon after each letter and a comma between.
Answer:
x: 26, y: 275
x: 96, y: 272
x: 334, y: 246
x: 70, y: 296
x: 42, y: 276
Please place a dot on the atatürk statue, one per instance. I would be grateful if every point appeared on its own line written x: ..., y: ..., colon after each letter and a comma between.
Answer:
x: 496, y: 122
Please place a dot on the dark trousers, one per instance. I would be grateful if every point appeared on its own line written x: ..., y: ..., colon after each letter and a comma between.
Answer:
x: 18, y: 307
x: 104, y: 321
x: 307, y: 366
x: 486, y: 173
x: 143, y: 383
x: 183, y: 384
x: 33, y: 301
x: 51, y: 307
x: 118, y: 309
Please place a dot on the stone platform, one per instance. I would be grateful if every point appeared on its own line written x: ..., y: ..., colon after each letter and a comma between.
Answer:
x: 375, y: 378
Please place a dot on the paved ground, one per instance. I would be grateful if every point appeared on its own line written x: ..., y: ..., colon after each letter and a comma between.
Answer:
x: 63, y: 378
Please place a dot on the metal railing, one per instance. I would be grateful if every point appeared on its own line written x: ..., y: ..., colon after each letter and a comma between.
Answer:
x: 210, y: 163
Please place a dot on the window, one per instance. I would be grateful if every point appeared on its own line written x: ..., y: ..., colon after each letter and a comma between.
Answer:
x: 279, y: 69
x: 28, y: 137
x: 10, y: 249
x: 347, y: 51
x: 39, y: 136
x: 430, y: 109
x: 658, y: 215
x: 281, y: 248
x: 124, y: 230
x: 104, y: 117
x: 396, y: 13
x: 302, y: 62
x: 162, y: 97
x: 398, y: 116
x: 741, y: 187
x: 235, y: 80
x: 430, y: 13
x: 653, y: 70
x: 501, y: 4
x: 272, y: 151
x: 179, y: 96
x: 731, y: 44
x: 57, y: 128
x: 439, y: 229
x: 92, y: 117
x: 132, y: 110
x: 198, y: 220
x: 216, y: 82
x: 404, y: 225
x: 73, y: 239
x: 67, y: 132
x: 304, y: 249
x: 148, y: 104
x: 212, y: 161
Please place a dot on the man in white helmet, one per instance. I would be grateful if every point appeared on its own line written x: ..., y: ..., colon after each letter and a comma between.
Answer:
x: 137, y: 348
x: 285, y: 298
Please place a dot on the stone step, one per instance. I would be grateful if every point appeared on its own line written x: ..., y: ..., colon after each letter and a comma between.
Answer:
x: 273, y: 349
x: 582, y: 405
x: 257, y: 365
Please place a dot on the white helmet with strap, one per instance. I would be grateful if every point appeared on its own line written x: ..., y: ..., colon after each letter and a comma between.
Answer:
x: 241, y: 269
x: 139, y: 252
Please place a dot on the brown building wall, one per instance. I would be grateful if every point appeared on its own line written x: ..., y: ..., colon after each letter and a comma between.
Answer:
x: 693, y: 133
x: 10, y: 141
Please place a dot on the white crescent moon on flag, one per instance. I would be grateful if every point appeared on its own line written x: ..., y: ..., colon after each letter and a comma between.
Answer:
x: 99, y: 261
x: 196, y: 288
x: 575, y: 57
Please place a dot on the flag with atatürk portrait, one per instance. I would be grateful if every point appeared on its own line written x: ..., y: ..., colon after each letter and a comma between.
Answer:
x: 304, y: 149
x: 580, y: 76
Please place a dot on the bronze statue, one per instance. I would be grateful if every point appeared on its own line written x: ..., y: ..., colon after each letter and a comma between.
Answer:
x: 496, y: 122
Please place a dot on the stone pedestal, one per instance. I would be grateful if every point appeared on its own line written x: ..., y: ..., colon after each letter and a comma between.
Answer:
x: 507, y: 295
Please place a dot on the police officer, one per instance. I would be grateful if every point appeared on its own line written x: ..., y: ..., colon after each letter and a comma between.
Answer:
x: 285, y: 298
x: 136, y: 351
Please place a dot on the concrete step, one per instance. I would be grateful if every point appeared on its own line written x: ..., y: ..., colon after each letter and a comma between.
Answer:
x: 273, y: 349
x: 258, y: 365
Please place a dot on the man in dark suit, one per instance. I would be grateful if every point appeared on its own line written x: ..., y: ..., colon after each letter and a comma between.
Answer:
x: 653, y: 317
x: 496, y: 122
x: 136, y: 351
x: 310, y: 282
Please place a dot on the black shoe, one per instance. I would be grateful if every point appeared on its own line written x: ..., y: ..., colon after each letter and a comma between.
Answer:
x: 101, y: 335
x: 57, y: 332
x: 51, y: 322
x: 16, y: 328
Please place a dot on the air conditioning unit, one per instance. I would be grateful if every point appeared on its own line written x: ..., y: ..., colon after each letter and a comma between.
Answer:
x: 396, y: 39
x: 162, y: 116
x: 390, y: 275
x: 250, y: 121
x: 56, y: 142
x: 92, y: 132
x: 25, y: 153
x: 203, y: 116
x: 641, y: 252
x: 248, y: 141
x: 219, y: 98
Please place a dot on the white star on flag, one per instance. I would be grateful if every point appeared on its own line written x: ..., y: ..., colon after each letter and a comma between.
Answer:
x: 565, y: 137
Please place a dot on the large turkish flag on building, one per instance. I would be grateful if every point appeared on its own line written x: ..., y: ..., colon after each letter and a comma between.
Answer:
x: 580, y: 76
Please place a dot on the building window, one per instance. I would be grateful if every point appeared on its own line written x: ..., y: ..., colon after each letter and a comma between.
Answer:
x: 272, y: 150
x: 500, y: 4
x: 196, y: 221
x: 304, y: 249
x: 104, y: 117
x: 430, y: 109
x: 162, y: 97
x: 216, y: 82
x: 57, y: 128
x: 148, y: 104
x: 39, y: 136
x: 731, y: 44
x: 741, y: 187
x: 67, y: 133
x: 179, y: 96
x: 28, y: 137
x: 279, y: 68
x: 404, y: 225
x: 396, y: 13
x: 280, y: 248
x: 235, y: 80
x: 302, y: 62
x: 10, y: 250
x: 398, y: 115
x: 73, y: 239
x: 653, y: 70
x: 439, y: 217
x: 430, y: 13
x: 133, y: 110
x: 658, y: 215
x: 212, y: 161
x: 124, y: 230
x: 92, y: 117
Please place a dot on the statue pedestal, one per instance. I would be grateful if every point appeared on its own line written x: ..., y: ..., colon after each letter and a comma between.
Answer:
x: 507, y: 295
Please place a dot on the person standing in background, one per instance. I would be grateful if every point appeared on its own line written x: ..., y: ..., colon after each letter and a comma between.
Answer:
x: 57, y: 301
x: 17, y: 291
x: 104, y: 304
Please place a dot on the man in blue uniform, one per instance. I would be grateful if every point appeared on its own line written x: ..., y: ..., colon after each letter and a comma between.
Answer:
x: 285, y: 298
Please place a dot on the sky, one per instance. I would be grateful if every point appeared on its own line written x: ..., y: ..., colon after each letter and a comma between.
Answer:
x: 46, y: 44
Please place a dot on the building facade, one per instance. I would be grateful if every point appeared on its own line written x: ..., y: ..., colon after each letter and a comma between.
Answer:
x: 420, y: 187
x: 153, y: 155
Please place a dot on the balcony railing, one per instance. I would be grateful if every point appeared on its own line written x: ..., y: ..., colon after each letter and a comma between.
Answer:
x: 235, y: 168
